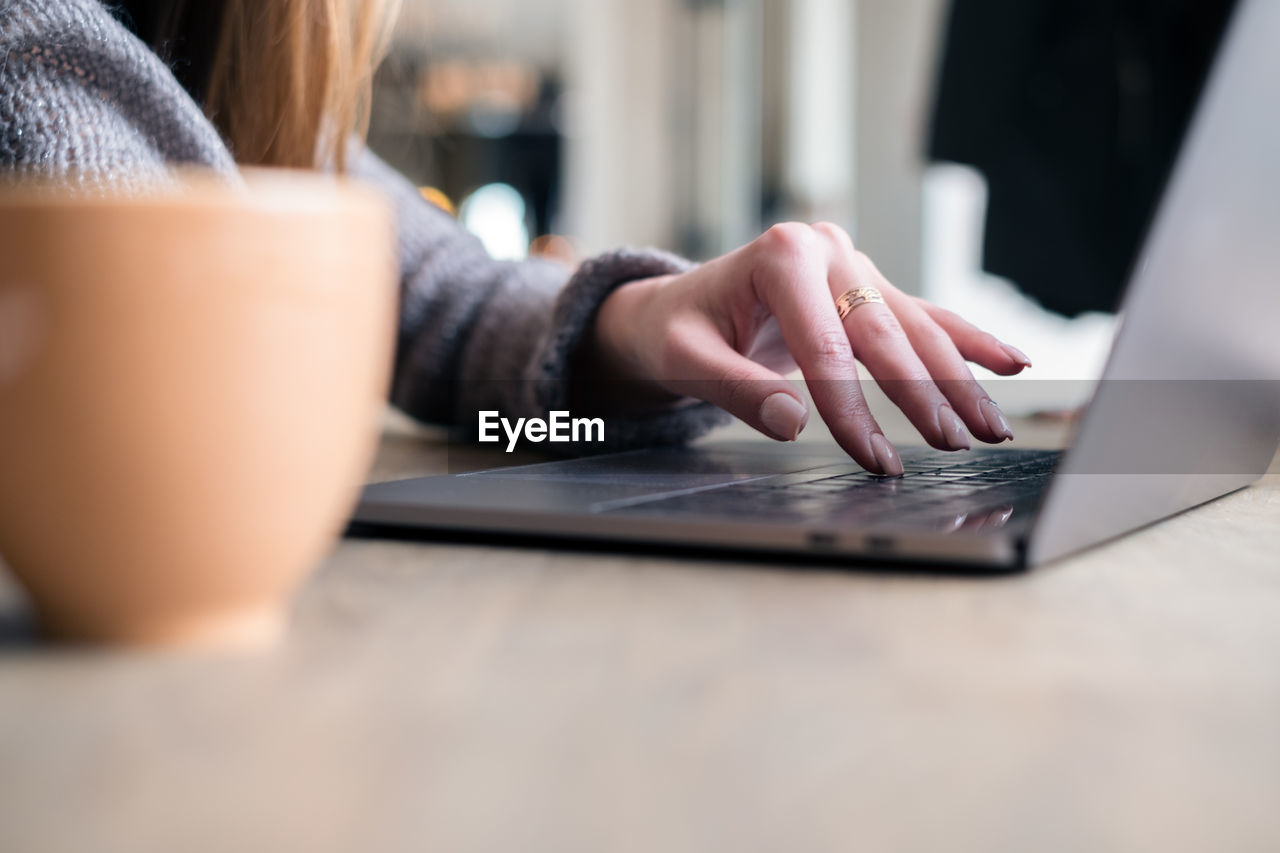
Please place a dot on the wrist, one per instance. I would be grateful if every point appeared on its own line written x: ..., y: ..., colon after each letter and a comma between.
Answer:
x: 612, y: 368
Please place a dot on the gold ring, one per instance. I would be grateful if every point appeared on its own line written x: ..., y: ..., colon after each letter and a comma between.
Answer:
x: 856, y: 298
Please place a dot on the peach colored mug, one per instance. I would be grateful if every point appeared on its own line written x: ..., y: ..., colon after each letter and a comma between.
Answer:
x: 190, y: 386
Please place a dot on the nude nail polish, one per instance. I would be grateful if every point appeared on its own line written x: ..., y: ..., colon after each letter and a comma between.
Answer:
x: 886, y: 456
x: 1017, y: 355
x: 783, y: 415
x: 953, y: 430
x: 995, y: 419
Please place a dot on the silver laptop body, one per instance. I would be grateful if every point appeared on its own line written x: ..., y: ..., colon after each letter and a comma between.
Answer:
x: 1188, y: 408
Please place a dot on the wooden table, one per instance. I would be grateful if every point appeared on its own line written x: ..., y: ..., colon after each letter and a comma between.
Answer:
x: 448, y: 697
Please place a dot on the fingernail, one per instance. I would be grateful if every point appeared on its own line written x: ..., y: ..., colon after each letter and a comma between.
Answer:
x: 886, y: 456
x: 953, y: 431
x: 1017, y: 355
x: 995, y: 419
x: 783, y: 415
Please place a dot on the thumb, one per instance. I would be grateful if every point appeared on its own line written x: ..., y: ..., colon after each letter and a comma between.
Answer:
x: 724, y: 377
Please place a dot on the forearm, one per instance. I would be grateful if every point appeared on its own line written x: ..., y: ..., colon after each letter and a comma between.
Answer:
x: 477, y: 334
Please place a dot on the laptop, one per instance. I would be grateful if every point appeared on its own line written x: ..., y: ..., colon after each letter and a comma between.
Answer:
x: 1187, y: 410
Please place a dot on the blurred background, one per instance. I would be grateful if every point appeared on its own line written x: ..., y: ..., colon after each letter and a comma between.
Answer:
x: 568, y: 127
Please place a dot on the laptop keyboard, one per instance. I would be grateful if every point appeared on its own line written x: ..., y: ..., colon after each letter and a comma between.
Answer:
x: 981, y: 488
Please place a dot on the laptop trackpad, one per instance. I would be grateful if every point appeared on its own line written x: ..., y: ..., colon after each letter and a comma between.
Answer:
x: 658, y: 473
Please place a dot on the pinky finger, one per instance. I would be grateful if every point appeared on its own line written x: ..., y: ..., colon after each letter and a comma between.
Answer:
x: 976, y: 345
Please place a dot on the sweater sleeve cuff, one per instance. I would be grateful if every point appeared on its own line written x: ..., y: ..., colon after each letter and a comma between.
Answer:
x: 574, y: 312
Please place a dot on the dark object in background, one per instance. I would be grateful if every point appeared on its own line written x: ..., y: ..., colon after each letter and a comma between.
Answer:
x: 528, y: 158
x: 184, y: 34
x: 1075, y: 111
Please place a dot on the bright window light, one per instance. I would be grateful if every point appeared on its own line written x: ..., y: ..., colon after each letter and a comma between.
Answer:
x: 496, y: 214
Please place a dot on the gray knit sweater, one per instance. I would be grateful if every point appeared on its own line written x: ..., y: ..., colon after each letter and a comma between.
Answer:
x: 82, y: 99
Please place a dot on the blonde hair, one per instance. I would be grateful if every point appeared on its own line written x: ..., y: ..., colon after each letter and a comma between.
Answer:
x: 291, y: 80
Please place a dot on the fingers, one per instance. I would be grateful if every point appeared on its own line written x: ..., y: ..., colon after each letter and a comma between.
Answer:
x: 788, y: 272
x: 974, y: 344
x: 916, y: 360
x: 950, y: 373
x: 916, y: 351
x: 946, y: 348
x: 881, y: 342
x: 722, y: 376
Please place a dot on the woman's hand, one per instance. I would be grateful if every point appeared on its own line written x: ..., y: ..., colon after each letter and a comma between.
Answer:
x: 727, y: 331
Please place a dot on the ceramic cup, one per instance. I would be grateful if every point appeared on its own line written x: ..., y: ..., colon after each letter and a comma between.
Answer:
x: 190, y: 387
